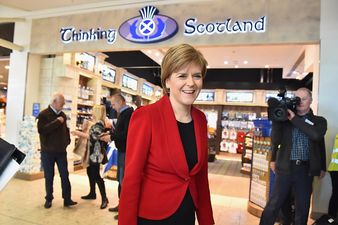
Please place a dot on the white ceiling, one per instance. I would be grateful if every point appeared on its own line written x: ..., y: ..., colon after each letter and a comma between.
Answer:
x: 275, y: 56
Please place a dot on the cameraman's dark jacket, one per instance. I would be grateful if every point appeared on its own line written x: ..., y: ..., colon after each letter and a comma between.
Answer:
x: 281, y: 136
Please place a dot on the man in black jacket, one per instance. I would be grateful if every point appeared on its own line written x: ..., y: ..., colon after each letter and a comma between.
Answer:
x: 119, y: 135
x: 54, y: 139
x: 298, y: 154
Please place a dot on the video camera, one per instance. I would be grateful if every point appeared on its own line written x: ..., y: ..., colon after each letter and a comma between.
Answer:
x: 278, y: 108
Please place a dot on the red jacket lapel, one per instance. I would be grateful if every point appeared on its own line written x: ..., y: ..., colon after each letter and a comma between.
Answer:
x: 172, y: 138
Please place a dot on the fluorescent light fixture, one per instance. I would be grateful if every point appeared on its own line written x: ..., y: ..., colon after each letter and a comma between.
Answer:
x: 267, y: 66
x: 245, y: 62
x: 226, y: 62
x: 236, y: 66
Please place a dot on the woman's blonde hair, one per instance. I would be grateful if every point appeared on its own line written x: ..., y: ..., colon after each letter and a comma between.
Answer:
x: 176, y: 58
x: 99, y: 113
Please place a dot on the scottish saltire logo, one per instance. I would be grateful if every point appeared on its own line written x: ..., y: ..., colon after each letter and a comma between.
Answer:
x: 149, y: 27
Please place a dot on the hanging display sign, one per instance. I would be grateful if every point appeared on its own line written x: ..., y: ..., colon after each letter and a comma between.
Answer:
x: 208, y: 96
x: 70, y: 34
x: 147, y: 89
x: 129, y: 82
x: 149, y: 27
x: 239, y: 96
x: 85, y: 61
x: 192, y: 27
x: 108, y: 73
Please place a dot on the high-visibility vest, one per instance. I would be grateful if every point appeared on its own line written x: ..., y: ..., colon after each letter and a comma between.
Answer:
x: 334, y: 157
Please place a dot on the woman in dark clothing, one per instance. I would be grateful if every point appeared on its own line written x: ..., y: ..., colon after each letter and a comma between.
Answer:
x: 97, y: 154
x: 166, y: 172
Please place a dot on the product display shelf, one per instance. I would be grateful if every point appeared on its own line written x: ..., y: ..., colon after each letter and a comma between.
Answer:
x: 260, y: 175
x: 247, y: 153
x: 85, y: 99
x: 29, y: 143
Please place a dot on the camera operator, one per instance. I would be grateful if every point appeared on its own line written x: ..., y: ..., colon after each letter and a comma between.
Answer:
x: 298, y: 154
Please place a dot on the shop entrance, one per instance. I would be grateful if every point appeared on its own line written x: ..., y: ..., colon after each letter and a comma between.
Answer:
x: 235, y: 93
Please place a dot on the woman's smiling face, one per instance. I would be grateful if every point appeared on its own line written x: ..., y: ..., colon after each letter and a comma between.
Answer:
x: 185, y: 85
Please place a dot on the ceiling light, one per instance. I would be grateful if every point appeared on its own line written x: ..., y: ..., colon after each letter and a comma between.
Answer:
x: 149, y: 51
x: 245, y: 62
x: 266, y: 66
x: 226, y: 62
x: 7, y: 67
x: 157, y: 54
x: 236, y: 66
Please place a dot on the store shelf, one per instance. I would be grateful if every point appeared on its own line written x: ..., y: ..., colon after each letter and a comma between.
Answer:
x: 245, y: 170
x: 248, y: 157
x: 83, y: 113
x: 84, y: 104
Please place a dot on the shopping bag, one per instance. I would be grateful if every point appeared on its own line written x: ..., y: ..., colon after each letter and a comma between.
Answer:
x: 10, y: 161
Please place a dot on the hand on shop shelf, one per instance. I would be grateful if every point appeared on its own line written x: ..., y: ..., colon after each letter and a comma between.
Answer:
x: 61, y: 119
x: 273, y: 166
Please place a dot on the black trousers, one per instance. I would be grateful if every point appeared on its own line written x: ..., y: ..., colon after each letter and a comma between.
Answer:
x: 93, y: 172
x: 333, y: 205
x: 301, y: 182
x: 48, y: 162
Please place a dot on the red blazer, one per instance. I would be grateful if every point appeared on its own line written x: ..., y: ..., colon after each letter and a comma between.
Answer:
x: 156, y: 173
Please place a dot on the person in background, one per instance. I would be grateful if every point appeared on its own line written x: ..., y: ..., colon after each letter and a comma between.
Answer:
x: 97, y: 154
x: 333, y: 170
x: 298, y: 154
x: 166, y: 175
x: 54, y: 139
x: 138, y: 101
x: 119, y: 135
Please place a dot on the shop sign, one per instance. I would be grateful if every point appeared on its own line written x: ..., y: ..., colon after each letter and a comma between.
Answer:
x: 36, y: 109
x: 150, y: 27
x: 192, y: 27
x: 70, y: 34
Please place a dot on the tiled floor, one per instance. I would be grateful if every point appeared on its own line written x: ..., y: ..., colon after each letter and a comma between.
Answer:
x: 21, y: 202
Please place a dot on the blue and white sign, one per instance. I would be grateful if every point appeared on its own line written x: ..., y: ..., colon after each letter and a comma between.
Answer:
x: 36, y: 109
x: 149, y: 27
